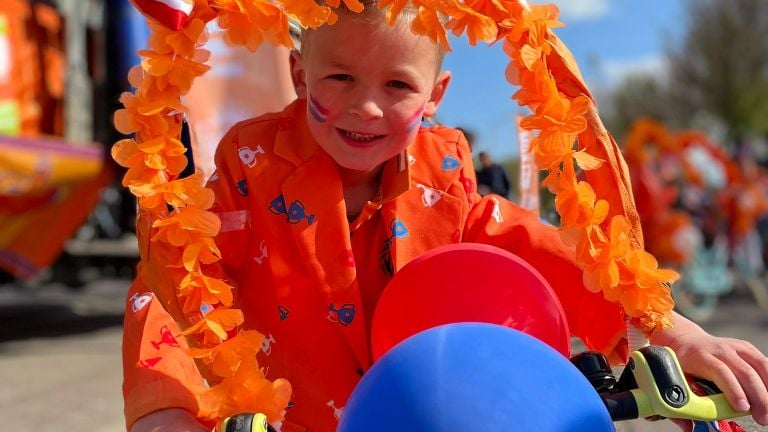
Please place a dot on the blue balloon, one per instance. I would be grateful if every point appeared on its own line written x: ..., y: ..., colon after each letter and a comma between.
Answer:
x: 473, y: 376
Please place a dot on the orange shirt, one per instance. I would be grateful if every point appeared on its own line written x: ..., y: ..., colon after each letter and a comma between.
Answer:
x: 307, y: 278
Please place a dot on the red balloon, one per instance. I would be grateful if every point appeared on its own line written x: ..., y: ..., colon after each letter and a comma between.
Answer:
x: 468, y: 282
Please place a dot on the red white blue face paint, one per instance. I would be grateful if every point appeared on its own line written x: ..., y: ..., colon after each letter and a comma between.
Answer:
x: 415, y: 120
x: 318, y: 112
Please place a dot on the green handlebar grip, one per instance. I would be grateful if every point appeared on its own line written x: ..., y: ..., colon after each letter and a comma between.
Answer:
x: 245, y: 422
x: 663, y: 389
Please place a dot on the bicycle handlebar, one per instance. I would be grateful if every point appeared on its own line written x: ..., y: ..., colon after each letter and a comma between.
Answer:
x: 245, y: 422
x: 653, y: 384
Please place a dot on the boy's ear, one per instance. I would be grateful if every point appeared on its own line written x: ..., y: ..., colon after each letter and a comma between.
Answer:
x: 298, y: 76
x: 438, y: 91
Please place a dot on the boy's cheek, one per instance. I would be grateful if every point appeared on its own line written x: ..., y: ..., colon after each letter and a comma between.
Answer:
x: 414, y: 120
x: 324, y: 108
x: 317, y: 110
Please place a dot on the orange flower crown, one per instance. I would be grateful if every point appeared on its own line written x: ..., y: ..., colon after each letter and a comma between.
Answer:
x: 176, y: 230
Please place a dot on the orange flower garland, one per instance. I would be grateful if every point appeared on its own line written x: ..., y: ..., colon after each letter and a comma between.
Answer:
x: 176, y: 230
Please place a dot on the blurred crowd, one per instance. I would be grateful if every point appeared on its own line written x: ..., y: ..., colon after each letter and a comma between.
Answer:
x: 704, y: 210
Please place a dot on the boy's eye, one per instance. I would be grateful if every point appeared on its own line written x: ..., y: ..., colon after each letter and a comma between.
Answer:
x: 340, y: 77
x: 399, y: 84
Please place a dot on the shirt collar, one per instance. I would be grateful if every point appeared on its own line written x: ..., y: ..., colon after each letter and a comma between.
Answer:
x: 295, y: 143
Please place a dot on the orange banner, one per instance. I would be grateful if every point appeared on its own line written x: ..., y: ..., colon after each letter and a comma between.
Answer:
x: 529, y: 171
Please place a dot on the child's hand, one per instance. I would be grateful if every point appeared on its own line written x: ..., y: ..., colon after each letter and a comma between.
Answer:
x: 736, y: 366
x: 169, y: 420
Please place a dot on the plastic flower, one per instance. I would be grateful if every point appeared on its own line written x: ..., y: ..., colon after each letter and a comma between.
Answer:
x: 353, y: 5
x: 225, y: 358
x: 184, y: 42
x: 246, y: 22
x: 560, y: 114
x: 541, y: 17
x: 536, y: 86
x: 309, y: 13
x: 394, y: 7
x: 198, y: 289
x: 133, y: 118
x: 189, y: 191
x: 178, y: 71
x: 247, y: 391
x: 644, y: 289
x: 477, y: 25
x: 127, y: 154
x: 201, y: 250
x: 148, y: 161
x: 185, y: 225
x: 653, y: 321
x: 578, y: 206
x: 495, y: 10
x: 215, y: 325
x: 603, y: 255
x: 427, y: 23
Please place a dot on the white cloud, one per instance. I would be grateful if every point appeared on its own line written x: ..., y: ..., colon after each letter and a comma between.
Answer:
x: 613, y: 71
x: 578, y: 10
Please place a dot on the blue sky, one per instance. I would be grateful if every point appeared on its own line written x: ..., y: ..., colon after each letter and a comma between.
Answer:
x: 609, y: 39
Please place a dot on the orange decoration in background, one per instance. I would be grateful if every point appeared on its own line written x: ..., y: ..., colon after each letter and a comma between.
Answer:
x: 598, y: 215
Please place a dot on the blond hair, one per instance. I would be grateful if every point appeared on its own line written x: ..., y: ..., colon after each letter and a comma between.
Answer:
x: 372, y: 14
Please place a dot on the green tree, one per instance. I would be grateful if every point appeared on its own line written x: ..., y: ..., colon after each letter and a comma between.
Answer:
x: 718, y: 73
x: 720, y: 68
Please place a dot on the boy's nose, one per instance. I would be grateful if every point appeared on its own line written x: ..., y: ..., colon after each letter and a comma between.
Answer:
x: 366, y: 109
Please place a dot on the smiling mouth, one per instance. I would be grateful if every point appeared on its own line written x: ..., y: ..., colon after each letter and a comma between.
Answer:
x: 359, y: 137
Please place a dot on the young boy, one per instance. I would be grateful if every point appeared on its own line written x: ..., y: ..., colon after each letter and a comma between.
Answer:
x: 322, y: 203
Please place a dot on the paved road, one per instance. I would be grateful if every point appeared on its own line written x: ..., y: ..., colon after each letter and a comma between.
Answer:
x: 60, y: 356
x: 60, y: 359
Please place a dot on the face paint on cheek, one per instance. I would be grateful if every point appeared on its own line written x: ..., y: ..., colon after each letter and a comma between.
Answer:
x: 318, y: 112
x: 415, y: 120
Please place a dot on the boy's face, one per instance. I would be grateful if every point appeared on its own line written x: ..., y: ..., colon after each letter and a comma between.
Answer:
x: 367, y: 87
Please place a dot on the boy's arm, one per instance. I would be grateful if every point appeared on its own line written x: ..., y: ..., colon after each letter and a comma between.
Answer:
x: 735, y: 365
x: 158, y: 373
x: 498, y: 222
x: 599, y: 323
x: 169, y: 420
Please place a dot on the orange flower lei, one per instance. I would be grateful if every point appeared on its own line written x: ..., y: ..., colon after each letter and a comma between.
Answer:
x: 597, y: 215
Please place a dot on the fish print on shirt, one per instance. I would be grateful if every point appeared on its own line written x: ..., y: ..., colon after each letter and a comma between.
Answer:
x: 450, y: 163
x: 294, y: 214
x: 343, y: 315
x: 242, y: 187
